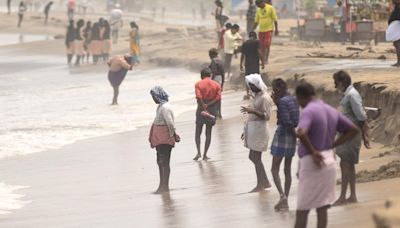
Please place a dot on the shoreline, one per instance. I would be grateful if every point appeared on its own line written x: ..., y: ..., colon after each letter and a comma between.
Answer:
x: 87, y: 182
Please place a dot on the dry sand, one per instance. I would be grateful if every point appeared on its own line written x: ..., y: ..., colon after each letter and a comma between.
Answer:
x: 107, y: 181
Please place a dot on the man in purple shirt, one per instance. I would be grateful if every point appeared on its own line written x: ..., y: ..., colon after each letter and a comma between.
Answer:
x: 284, y: 142
x: 318, y: 126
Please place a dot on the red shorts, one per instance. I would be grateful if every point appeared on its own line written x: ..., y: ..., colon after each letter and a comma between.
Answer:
x: 265, y: 39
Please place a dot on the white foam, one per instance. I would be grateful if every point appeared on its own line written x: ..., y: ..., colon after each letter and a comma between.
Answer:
x: 9, y: 200
x: 48, y: 108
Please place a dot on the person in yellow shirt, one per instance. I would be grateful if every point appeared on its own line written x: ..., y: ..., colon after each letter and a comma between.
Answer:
x: 267, y: 20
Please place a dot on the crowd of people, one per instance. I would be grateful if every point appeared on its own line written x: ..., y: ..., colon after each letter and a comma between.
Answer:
x: 322, y: 130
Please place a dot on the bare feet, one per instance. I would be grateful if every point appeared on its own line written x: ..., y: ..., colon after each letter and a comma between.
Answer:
x: 197, y: 157
x: 257, y: 189
x: 205, y: 158
x: 282, y: 205
x: 340, y: 202
x: 161, y: 191
x: 352, y: 200
x: 267, y: 185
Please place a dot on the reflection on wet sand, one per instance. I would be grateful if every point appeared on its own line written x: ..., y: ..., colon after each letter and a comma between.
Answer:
x: 169, y: 211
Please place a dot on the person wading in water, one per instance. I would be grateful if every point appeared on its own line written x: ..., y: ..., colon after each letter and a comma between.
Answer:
x: 119, y: 66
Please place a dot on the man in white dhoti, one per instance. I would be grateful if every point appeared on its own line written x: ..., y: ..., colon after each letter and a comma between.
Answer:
x: 255, y: 134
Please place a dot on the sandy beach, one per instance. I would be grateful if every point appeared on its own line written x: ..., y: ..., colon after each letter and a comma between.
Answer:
x: 103, y: 172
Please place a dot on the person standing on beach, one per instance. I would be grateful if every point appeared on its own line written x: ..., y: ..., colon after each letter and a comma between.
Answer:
x: 342, y: 15
x: 106, y: 40
x: 268, y: 21
x: 232, y: 39
x: 47, y: 11
x: 71, y: 5
x: 221, y: 43
x: 351, y: 106
x: 134, y: 43
x: 218, y: 16
x: 9, y: 6
x: 251, y: 57
x: 217, y: 72
x: 208, y: 94
x: 87, y: 34
x: 95, y: 43
x: 251, y: 16
x: 79, y: 42
x: 284, y: 142
x: 119, y: 66
x: 116, y: 22
x: 70, y: 41
x: 163, y: 136
x: 21, y: 11
x: 395, y: 17
x: 255, y: 133
x: 317, y: 130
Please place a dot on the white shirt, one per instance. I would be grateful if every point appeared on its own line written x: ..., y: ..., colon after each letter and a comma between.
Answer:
x: 230, y: 42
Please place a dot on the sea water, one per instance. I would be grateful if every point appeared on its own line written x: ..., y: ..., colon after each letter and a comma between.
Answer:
x: 45, y: 104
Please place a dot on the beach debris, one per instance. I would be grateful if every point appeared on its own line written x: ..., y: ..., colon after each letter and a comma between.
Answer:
x: 388, y: 216
x: 59, y: 36
x: 382, y: 57
x: 355, y: 54
x: 391, y: 51
x: 388, y: 171
x: 354, y: 49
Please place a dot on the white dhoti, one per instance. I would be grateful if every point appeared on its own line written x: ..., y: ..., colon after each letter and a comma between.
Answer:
x: 393, y: 31
x: 316, y: 184
x: 256, y: 135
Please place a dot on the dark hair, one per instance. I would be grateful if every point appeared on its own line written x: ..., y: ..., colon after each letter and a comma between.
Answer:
x: 213, y: 52
x: 235, y: 26
x: 218, y: 3
x: 280, y: 84
x: 206, y: 72
x: 342, y: 76
x: 253, y: 35
x: 305, y: 90
x: 134, y: 25
x: 228, y: 25
x: 80, y: 23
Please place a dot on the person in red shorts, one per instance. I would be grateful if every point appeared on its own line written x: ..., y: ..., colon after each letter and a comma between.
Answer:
x: 267, y: 21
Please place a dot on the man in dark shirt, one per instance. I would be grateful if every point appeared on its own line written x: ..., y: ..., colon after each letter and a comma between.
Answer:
x: 251, y: 56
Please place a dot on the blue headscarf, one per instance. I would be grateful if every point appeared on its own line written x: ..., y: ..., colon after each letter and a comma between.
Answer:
x: 159, y: 93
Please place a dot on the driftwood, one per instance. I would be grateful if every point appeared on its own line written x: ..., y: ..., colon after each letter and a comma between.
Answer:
x: 334, y: 56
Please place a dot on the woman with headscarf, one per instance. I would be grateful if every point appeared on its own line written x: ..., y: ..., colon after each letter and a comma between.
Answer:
x: 119, y: 66
x: 106, y: 40
x: 393, y: 31
x: 163, y: 135
x: 255, y: 134
x: 70, y: 41
x: 79, y: 41
x: 134, y: 43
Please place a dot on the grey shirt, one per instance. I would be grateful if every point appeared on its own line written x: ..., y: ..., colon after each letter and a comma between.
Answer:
x: 352, y: 105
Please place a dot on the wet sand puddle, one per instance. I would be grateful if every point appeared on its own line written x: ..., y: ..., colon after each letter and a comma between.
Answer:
x: 9, y: 39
